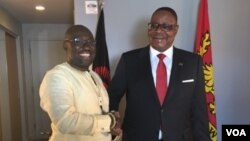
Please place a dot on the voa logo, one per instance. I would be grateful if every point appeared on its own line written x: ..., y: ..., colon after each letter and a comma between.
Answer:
x: 236, y: 132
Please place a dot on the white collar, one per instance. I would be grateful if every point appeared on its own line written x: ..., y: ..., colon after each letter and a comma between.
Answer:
x: 168, y: 52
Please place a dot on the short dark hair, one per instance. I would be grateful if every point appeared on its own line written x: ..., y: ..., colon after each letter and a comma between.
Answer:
x: 168, y: 9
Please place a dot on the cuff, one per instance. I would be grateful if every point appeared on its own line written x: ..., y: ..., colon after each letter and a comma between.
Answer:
x: 102, y: 123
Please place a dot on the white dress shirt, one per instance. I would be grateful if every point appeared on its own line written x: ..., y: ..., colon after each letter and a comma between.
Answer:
x: 168, y: 60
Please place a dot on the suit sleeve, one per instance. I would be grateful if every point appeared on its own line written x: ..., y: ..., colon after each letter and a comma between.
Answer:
x: 117, y: 87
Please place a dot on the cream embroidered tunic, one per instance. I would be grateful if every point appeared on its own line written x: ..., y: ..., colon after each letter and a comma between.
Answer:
x: 72, y: 100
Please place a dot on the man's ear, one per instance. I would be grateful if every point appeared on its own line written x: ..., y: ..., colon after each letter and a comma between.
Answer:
x: 66, y: 45
x: 176, y: 28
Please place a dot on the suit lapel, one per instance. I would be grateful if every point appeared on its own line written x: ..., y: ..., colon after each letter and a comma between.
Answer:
x: 177, y: 66
x: 146, y: 71
x: 145, y: 67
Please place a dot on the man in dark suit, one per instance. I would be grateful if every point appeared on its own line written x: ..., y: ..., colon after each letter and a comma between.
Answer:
x: 181, y: 113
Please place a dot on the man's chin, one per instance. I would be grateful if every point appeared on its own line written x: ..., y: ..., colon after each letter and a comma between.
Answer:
x: 159, y: 48
x: 80, y: 66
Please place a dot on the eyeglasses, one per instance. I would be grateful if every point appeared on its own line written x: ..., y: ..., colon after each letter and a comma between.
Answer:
x: 80, y: 42
x: 165, y: 27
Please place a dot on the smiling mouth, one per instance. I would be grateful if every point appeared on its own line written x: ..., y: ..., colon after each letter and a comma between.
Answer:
x: 85, y: 54
x: 158, y: 40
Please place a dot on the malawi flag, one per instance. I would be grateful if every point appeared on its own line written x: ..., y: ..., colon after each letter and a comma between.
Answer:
x: 203, y: 48
x: 101, y: 62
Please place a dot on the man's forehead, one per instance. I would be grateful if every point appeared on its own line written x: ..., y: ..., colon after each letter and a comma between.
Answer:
x: 79, y: 34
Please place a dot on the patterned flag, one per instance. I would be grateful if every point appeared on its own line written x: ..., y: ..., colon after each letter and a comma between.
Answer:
x: 101, y: 62
x: 203, y: 48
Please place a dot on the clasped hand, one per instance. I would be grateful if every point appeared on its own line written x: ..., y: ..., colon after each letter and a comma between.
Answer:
x: 116, y: 130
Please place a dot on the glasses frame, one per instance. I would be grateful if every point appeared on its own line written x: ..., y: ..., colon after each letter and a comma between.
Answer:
x: 165, y: 27
x: 81, y: 42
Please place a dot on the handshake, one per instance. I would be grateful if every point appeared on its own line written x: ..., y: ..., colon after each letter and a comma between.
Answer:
x: 115, y: 126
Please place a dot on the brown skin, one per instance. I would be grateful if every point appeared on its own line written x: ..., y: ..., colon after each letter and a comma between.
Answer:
x: 116, y: 131
x: 160, y: 39
x: 79, y: 56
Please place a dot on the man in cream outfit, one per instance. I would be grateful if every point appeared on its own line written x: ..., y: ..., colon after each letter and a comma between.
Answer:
x: 74, y: 96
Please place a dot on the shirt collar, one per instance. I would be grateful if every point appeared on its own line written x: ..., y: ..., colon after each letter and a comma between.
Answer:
x: 168, y: 52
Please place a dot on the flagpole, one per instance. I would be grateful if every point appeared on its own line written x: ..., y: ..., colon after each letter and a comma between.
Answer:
x: 100, y: 6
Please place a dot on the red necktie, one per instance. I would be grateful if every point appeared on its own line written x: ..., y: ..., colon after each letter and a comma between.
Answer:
x: 161, y: 78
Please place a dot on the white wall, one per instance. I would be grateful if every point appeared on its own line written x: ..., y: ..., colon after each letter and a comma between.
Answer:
x: 230, y: 30
x: 126, y: 29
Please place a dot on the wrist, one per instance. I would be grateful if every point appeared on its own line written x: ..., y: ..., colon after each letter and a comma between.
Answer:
x: 113, y: 120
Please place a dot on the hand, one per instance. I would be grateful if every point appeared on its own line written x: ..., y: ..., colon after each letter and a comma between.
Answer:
x: 116, y: 131
x: 115, y: 125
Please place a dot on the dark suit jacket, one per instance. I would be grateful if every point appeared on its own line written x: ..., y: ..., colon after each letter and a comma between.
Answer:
x: 183, y: 116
